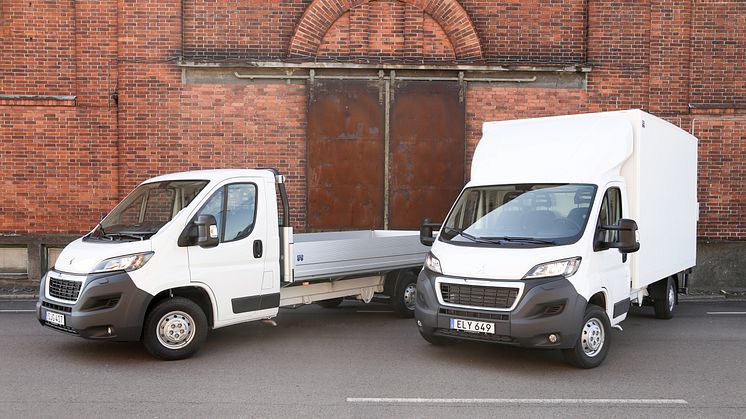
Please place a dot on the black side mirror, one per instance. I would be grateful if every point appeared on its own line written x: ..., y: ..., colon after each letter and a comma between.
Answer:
x: 627, y: 237
x: 426, y: 231
x: 207, y: 228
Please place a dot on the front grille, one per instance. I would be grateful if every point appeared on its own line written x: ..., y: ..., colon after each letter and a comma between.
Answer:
x: 474, y: 336
x: 478, y: 296
x: 475, y: 314
x: 64, y: 289
x: 57, y: 307
x: 66, y: 329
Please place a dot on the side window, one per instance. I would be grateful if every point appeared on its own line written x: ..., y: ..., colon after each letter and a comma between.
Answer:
x: 611, y: 213
x: 240, y: 211
x: 214, y: 206
x: 234, y: 209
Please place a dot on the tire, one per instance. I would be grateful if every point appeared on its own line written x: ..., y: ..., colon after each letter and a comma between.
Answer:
x: 332, y: 303
x: 594, y: 341
x: 432, y: 339
x: 404, y: 298
x: 665, y: 307
x: 179, y: 315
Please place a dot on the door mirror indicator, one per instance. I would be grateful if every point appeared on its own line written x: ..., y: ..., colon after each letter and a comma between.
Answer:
x: 207, y: 228
x: 625, y: 240
x: 426, y: 231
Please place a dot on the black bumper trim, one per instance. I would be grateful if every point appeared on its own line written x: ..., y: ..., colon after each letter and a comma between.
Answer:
x: 547, y: 306
x: 120, y: 320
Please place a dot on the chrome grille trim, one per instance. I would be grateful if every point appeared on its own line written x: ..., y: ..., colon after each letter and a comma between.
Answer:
x: 516, y: 285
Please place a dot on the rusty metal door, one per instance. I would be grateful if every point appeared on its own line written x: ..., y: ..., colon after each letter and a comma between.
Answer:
x: 345, y: 155
x: 426, y: 171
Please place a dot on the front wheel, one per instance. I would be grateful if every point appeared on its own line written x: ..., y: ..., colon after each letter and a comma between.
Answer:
x: 593, y: 343
x: 175, y: 329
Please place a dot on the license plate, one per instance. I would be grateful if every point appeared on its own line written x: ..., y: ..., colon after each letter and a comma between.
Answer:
x: 473, y: 326
x: 55, y: 318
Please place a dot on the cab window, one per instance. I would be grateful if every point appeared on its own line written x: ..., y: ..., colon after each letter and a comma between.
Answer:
x: 234, y: 209
x: 610, y: 214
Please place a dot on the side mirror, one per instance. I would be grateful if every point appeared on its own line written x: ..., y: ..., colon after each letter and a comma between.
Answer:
x: 426, y: 231
x: 207, y: 228
x: 626, y: 239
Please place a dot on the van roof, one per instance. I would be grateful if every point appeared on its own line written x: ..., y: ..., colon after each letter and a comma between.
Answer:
x: 572, y: 148
x: 210, y: 175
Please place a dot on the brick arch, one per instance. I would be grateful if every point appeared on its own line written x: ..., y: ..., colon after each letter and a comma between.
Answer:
x: 321, y: 15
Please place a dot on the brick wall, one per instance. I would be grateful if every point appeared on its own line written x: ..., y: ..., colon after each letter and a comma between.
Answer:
x: 63, y: 165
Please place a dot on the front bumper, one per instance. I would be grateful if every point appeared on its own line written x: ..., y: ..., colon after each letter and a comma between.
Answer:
x: 108, y: 305
x: 546, y: 306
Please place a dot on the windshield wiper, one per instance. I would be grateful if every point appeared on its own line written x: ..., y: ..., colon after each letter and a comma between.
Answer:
x: 475, y: 239
x: 137, y: 235
x: 533, y: 240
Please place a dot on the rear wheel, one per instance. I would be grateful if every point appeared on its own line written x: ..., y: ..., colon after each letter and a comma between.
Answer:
x: 331, y: 303
x: 593, y: 343
x: 175, y: 329
x: 665, y: 307
x: 406, y: 294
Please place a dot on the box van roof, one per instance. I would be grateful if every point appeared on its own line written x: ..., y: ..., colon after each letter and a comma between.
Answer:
x: 573, y: 148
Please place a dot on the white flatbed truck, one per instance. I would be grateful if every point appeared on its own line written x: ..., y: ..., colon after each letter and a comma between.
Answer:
x: 190, y: 251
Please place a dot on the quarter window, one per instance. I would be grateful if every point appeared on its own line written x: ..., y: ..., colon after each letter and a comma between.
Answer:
x: 610, y: 214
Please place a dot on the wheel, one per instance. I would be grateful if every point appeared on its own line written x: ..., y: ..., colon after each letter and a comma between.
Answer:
x: 664, y: 307
x: 332, y: 303
x: 593, y: 343
x: 175, y: 329
x: 432, y: 339
x: 405, y: 296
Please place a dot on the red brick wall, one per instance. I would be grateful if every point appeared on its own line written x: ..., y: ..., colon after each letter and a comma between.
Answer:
x: 37, y: 47
x: 63, y: 165
x: 722, y: 176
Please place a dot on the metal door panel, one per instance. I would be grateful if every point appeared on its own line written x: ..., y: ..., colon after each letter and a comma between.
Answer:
x: 345, y: 155
x: 426, y: 152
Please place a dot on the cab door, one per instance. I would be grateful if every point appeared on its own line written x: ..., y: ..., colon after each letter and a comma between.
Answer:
x: 613, y: 265
x: 235, y: 269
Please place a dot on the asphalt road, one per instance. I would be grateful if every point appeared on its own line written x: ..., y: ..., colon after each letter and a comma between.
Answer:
x: 360, y: 361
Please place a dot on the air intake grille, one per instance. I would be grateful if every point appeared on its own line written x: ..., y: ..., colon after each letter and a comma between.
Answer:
x: 478, y: 296
x: 64, y: 289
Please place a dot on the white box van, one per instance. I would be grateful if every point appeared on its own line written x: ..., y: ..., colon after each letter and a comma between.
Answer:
x: 190, y: 251
x: 542, y: 248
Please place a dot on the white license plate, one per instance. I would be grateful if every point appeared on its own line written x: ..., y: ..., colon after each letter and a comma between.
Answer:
x: 473, y: 326
x: 55, y: 318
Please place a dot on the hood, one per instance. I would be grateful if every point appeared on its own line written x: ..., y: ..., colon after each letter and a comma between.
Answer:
x: 80, y: 257
x: 497, y: 263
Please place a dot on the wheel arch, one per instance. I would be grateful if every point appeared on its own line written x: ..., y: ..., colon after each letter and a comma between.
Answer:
x: 599, y: 299
x: 391, y: 283
x: 199, y: 294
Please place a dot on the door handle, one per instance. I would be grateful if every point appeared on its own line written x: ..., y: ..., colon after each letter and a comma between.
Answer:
x: 258, y: 249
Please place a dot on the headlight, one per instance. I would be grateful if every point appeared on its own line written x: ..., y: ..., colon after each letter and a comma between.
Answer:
x: 432, y: 263
x: 564, y: 267
x: 124, y: 263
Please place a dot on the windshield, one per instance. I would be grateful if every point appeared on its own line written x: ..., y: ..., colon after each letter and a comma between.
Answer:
x: 520, y: 215
x: 147, y: 209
